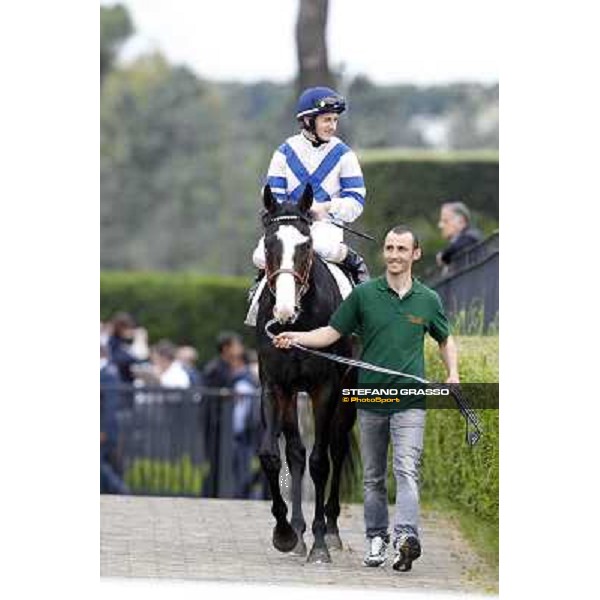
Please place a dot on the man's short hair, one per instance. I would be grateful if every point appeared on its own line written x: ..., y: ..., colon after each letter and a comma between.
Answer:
x: 459, y: 208
x: 400, y: 229
x: 121, y: 321
x: 166, y: 349
x: 226, y: 338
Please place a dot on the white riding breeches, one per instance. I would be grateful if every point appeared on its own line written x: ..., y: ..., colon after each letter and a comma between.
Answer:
x: 328, y: 243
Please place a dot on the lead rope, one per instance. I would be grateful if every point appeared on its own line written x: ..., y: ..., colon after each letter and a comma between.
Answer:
x: 470, y: 416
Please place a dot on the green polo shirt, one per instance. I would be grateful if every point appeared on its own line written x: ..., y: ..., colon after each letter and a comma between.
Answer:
x: 392, y: 331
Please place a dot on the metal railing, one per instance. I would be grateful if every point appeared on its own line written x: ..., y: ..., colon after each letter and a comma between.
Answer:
x: 176, y: 442
x: 470, y: 284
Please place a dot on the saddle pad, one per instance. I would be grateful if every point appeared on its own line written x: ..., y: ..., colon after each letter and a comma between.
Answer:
x: 253, y: 310
x: 341, y: 278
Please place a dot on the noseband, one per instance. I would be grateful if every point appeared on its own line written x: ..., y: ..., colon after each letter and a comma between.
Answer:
x: 300, y: 278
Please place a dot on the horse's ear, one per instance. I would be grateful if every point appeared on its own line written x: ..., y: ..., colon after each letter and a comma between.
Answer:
x: 268, y: 199
x: 307, y: 199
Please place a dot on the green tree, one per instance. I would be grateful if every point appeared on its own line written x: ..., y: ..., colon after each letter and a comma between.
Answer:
x: 115, y: 28
x: 179, y: 180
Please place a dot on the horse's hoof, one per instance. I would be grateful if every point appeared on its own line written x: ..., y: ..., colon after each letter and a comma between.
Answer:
x: 333, y: 541
x: 284, y: 538
x: 300, y: 548
x: 318, y: 556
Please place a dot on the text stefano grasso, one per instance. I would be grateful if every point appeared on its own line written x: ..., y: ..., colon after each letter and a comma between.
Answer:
x: 396, y: 392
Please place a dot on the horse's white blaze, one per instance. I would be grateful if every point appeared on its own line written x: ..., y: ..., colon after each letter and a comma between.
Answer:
x: 285, y: 287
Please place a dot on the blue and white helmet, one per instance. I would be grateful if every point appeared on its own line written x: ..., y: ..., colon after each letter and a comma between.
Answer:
x: 318, y: 100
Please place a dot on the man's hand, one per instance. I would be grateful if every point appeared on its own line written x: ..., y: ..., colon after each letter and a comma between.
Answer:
x: 285, y: 339
x: 320, y: 210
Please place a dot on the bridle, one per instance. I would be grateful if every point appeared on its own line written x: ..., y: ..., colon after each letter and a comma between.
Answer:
x: 300, y: 277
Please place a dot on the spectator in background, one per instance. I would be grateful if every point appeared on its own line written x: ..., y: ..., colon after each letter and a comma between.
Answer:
x: 218, y: 372
x: 105, y: 333
x: 125, y: 345
x: 110, y: 471
x: 252, y: 360
x: 244, y: 415
x: 140, y: 348
x: 455, y: 226
x: 218, y: 375
x: 259, y: 485
x: 188, y: 358
x: 167, y: 368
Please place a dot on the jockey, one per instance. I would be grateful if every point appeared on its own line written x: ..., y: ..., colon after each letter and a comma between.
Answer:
x: 317, y: 157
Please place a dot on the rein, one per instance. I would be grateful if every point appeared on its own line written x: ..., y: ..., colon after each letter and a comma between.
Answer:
x: 470, y: 416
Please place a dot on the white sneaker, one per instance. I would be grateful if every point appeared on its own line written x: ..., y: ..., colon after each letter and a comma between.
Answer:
x: 376, y: 552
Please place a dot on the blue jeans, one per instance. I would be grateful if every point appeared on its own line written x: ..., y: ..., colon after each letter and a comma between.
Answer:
x: 406, y: 430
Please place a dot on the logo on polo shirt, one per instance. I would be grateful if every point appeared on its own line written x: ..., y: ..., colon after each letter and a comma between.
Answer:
x: 415, y: 320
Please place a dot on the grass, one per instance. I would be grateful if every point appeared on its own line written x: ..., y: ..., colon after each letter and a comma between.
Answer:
x: 470, y: 321
x: 477, y: 359
x: 469, y: 492
x: 162, y: 477
x: 481, y: 535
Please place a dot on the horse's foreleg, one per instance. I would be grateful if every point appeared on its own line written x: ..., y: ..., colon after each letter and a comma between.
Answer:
x: 295, y: 453
x: 319, y: 469
x: 339, y: 448
x: 284, y: 536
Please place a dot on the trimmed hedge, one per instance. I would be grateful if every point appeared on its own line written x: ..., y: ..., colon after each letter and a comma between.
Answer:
x: 409, y: 188
x: 467, y: 477
x: 185, y: 308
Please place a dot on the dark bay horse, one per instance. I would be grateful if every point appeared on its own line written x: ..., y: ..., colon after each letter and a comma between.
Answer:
x: 302, y: 295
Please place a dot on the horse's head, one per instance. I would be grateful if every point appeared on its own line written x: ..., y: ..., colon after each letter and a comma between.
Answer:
x: 288, y: 251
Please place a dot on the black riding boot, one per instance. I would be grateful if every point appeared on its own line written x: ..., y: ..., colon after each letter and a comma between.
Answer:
x: 254, y: 287
x: 356, y: 266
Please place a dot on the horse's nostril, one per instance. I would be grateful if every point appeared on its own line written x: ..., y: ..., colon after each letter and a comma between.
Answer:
x: 283, y: 315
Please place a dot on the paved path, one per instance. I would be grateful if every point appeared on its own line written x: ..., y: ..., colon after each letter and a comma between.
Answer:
x: 229, y: 540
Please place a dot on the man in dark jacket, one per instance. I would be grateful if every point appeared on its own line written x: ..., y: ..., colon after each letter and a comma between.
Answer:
x: 216, y: 414
x: 455, y: 225
x: 244, y: 403
x: 110, y: 478
x: 119, y: 346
